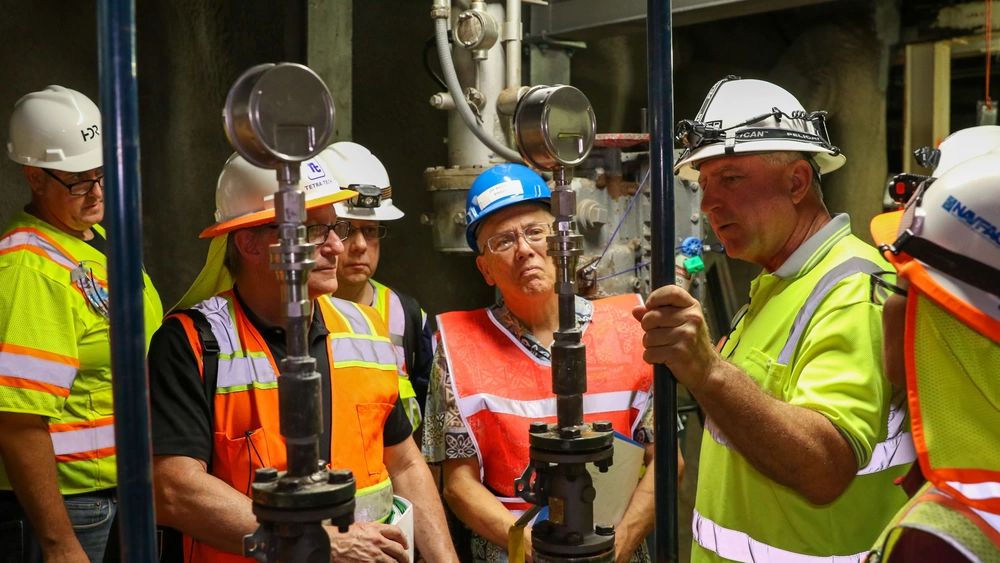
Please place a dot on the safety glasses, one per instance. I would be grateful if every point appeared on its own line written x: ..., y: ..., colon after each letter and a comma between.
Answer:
x: 883, y: 285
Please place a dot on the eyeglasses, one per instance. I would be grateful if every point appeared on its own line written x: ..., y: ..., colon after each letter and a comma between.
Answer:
x: 883, y: 285
x: 533, y: 234
x: 81, y: 188
x: 370, y: 232
x: 317, y: 234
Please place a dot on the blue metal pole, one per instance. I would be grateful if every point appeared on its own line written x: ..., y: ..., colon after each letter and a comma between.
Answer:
x: 119, y: 106
x: 659, y: 63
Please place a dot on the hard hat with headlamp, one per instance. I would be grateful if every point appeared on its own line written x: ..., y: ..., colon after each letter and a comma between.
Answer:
x: 56, y: 128
x: 946, y: 244
x: 741, y: 116
x: 947, y: 239
x: 357, y: 169
x: 956, y: 148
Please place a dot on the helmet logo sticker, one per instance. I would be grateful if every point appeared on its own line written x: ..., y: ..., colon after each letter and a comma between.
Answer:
x: 499, y: 191
x: 314, y: 170
x: 90, y: 133
x: 977, y: 223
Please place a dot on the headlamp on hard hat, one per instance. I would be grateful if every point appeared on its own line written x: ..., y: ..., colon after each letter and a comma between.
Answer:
x: 695, y: 134
x: 902, y: 187
x: 928, y: 157
x: 369, y: 196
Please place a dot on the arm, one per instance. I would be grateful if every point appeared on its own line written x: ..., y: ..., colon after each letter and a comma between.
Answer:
x: 29, y: 460
x: 795, y: 446
x: 476, y: 506
x: 637, y: 522
x: 412, y: 479
x: 200, y: 505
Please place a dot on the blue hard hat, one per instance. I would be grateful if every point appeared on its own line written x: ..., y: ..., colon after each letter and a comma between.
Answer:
x: 498, y: 187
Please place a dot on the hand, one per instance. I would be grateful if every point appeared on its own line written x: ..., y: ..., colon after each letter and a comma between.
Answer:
x: 677, y: 335
x: 368, y: 541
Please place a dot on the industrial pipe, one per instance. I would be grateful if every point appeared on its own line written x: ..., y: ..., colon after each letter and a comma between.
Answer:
x: 441, y: 12
x: 119, y: 107
x: 512, y: 44
x: 661, y: 113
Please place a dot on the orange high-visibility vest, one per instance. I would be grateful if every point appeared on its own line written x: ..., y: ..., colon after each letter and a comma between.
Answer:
x: 500, y: 387
x: 245, y: 422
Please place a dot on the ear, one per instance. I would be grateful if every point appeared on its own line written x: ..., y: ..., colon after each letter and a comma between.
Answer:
x: 484, y: 268
x: 35, y: 178
x: 801, y: 177
x: 247, y: 243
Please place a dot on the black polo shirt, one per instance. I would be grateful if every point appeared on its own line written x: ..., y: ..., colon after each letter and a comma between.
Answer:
x: 181, y: 414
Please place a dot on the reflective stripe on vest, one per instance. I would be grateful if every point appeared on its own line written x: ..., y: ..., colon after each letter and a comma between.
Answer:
x: 973, y: 533
x: 390, y: 308
x: 738, y: 546
x: 897, y: 449
x: 500, y: 387
x: 977, y: 491
x: 83, y: 440
x: 50, y: 372
x: 33, y: 240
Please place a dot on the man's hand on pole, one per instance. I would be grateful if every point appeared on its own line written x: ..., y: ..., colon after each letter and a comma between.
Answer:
x: 677, y: 336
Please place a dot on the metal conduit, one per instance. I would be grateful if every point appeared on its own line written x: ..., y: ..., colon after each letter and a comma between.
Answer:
x: 661, y: 116
x: 119, y: 107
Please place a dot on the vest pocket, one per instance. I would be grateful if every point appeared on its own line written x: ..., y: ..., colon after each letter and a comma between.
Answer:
x: 767, y: 372
x: 239, y: 457
x: 371, y: 420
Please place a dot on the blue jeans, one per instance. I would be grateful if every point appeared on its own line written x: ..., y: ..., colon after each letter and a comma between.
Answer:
x: 90, y: 513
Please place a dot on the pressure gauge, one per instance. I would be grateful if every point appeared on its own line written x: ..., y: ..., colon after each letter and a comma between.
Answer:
x: 554, y: 126
x: 279, y: 113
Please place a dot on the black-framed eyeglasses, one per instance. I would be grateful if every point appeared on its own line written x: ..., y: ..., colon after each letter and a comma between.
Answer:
x: 81, y: 188
x: 883, y: 285
x: 533, y: 234
x: 317, y: 234
x: 370, y: 232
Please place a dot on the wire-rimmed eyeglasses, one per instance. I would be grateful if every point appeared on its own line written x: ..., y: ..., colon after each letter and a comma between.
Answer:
x: 533, y: 234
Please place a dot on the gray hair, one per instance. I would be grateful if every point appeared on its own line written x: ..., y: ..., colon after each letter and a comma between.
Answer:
x: 784, y: 158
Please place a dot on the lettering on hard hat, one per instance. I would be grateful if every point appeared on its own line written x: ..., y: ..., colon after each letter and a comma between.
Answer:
x: 90, y: 133
x: 972, y: 219
x: 501, y: 190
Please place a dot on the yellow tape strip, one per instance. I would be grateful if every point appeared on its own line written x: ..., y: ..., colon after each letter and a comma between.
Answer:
x: 515, y: 536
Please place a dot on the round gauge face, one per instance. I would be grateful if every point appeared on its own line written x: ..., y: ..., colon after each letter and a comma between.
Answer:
x: 568, y: 124
x: 555, y: 126
x: 291, y: 111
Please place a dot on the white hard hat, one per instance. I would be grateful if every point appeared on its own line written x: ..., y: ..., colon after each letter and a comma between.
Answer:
x: 354, y: 166
x: 742, y: 116
x: 56, y: 128
x: 958, y: 147
x: 244, y: 195
x: 946, y: 240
